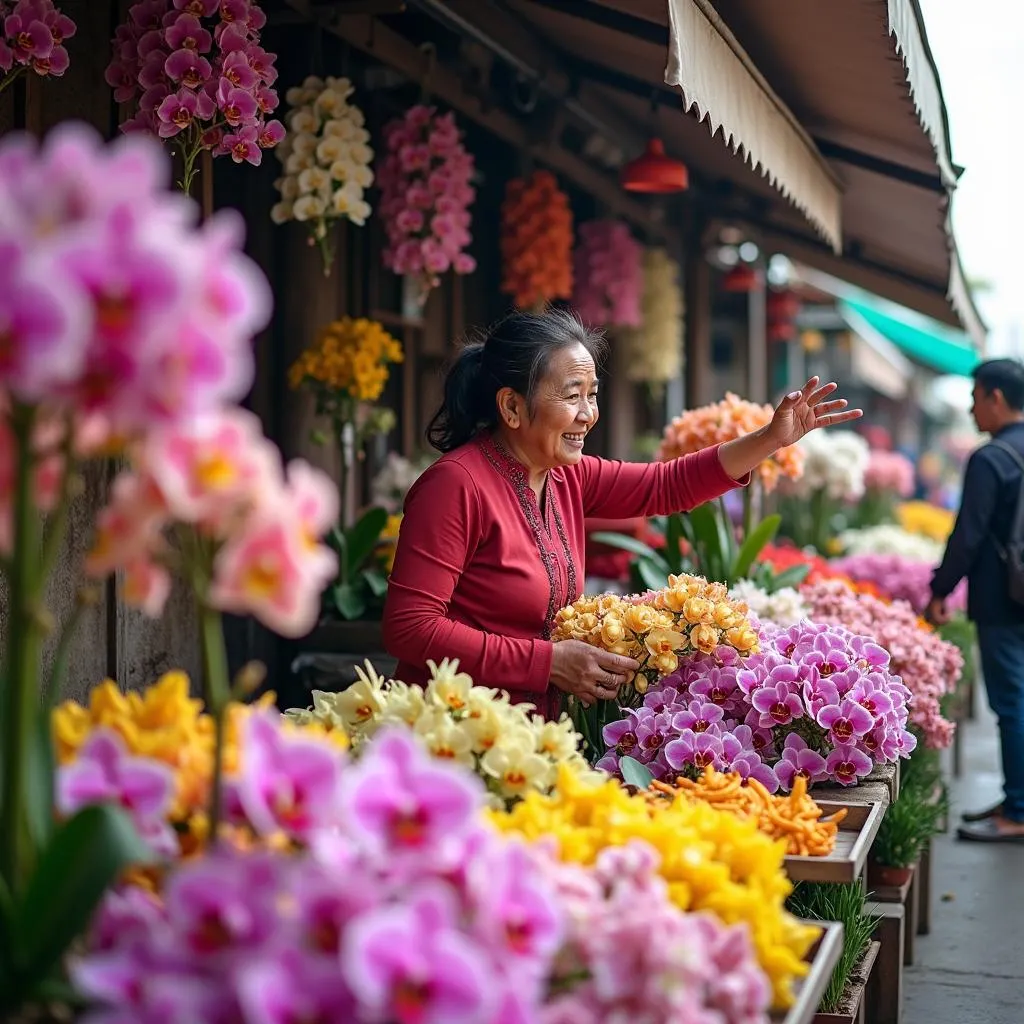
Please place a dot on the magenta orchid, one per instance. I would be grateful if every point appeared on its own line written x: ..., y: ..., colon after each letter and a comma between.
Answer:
x: 426, y: 193
x: 32, y: 36
x: 608, y: 274
x: 199, y: 76
x: 928, y: 666
x: 899, y: 578
x: 104, y: 772
x: 774, y: 715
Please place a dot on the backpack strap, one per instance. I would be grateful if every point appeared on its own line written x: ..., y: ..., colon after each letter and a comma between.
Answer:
x: 1016, y: 534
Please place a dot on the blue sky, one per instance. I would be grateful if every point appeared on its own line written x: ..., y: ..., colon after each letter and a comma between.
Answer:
x: 979, y: 48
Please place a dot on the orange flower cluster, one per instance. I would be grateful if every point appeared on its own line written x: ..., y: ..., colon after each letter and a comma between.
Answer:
x: 782, y: 557
x: 724, y: 421
x: 536, y: 241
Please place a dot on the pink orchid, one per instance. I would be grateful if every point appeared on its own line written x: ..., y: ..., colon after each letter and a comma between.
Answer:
x: 29, y: 37
x: 146, y: 586
x: 403, y: 805
x: 846, y: 721
x: 608, y: 274
x: 104, y: 772
x: 287, y: 783
x: 847, y: 763
x: 409, y: 964
x: 128, y: 529
x: 799, y: 759
x: 238, y: 106
x: 293, y: 988
x: 188, y: 68
x: 777, y: 704
x: 244, y: 146
x: 186, y: 32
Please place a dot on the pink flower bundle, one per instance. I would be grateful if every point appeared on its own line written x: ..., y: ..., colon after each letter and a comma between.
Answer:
x: 608, y: 275
x: 928, y: 665
x: 401, y: 905
x: 817, y: 701
x: 890, y: 472
x: 198, y: 74
x: 899, y: 578
x: 426, y: 193
x: 638, y: 954
x: 32, y: 34
x: 256, y: 521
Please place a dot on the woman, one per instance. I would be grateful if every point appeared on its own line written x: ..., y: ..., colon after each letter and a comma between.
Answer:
x: 492, y: 542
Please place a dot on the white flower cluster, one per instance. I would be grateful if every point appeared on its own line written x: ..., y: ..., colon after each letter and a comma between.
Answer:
x: 326, y: 157
x: 390, y: 486
x: 784, y: 608
x: 654, y: 351
x: 888, y: 539
x: 835, y: 461
x: 512, y: 750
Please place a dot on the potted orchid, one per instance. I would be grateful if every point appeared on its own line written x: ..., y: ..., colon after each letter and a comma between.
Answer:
x: 199, y: 77
x: 154, y: 373
x: 32, y: 36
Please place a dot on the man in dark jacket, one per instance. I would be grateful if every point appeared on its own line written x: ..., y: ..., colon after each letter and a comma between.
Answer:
x: 991, y: 489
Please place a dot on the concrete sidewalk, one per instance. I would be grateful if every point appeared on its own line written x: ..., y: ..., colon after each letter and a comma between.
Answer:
x: 970, y: 970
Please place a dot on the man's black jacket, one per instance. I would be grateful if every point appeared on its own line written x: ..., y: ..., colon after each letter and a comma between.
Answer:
x: 991, y: 489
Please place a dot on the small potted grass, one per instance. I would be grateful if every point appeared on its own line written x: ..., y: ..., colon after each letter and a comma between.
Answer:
x: 907, y: 828
x: 832, y: 901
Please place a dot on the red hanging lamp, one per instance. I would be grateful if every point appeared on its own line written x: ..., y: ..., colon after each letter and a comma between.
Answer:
x: 742, y: 278
x: 655, y: 172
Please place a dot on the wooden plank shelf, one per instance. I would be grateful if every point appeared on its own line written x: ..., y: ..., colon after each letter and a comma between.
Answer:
x: 823, y: 957
x: 855, y: 999
x: 845, y: 864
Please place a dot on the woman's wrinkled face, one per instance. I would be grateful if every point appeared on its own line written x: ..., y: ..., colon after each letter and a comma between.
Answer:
x: 552, y: 432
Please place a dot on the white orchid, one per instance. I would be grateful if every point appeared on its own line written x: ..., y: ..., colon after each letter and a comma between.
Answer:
x: 327, y: 160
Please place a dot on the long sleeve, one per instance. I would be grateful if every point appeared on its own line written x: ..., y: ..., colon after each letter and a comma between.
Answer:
x: 980, y: 493
x: 622, y: 490
x: 440, y: 530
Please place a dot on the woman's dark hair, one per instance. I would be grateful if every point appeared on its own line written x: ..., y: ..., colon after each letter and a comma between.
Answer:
x: 515, y: 353
x: 1005, y: 375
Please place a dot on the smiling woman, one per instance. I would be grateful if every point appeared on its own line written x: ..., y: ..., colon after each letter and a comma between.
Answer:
x: 492, y: 543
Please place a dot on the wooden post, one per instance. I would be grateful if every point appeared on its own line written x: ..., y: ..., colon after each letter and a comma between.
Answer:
x: 697, y: 290
x: 885, y: 986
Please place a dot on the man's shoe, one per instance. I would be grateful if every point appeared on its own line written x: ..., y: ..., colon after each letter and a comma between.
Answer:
x: 996, y: 829
x: 992, y: 812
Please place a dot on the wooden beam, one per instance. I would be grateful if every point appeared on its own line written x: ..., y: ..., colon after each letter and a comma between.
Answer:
x: 349, y: 7
x: 391, y: 48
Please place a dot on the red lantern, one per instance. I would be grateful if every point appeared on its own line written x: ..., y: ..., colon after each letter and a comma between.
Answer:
x: 742, y: 278
x: 782, y: 306
x: 655, y: 172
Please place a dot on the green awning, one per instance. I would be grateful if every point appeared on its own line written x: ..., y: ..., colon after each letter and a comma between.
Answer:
x: 924, y: 340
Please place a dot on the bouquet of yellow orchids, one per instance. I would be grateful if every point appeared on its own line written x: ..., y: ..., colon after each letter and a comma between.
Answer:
x: 657, y: 629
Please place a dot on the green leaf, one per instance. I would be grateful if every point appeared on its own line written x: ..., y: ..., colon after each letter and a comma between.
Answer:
x: 652, y: 575
x: 711, y: 542
x: 791, y: 577
x: 39, y: 782
x: 623, y: 542
x: 349, y: 600
x: 753, y: 545
x: 377, y: 581
x: 86, y: 855
x: 363, y: 537
x: 634, y: 773
x: 337, y: 540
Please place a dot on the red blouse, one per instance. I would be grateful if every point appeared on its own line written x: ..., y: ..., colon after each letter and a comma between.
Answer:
x: 480, y: 571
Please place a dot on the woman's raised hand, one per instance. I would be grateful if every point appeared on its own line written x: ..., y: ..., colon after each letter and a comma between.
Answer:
x: 589, y: 672
x: 805, y: 410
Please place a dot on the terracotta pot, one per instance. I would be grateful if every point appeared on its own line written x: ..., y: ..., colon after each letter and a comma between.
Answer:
x: 884, y: 875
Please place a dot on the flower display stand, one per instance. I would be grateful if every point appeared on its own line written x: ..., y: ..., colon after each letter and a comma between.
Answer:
x: 854, y: 1008
x: 906, y: 895
x: 923, y: 882
x: 846, y: 863
x: 823, y: 957
x: 884, y: 996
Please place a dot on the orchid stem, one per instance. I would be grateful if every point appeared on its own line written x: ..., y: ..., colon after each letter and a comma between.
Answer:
x: 21, y: 677
x: 217, y: 695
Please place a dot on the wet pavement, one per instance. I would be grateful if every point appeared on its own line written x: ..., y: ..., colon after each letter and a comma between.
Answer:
x: 970, y: 970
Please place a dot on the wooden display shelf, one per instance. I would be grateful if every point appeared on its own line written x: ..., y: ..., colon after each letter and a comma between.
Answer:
x: 854, y: 1007
x: 845, y: 864
x: 823, y: 957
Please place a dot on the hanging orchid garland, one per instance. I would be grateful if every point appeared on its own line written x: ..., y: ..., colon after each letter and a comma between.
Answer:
x: 426, y: 194
x: 32, y: 34
x: 609, y: 280
x: 654, y: 351
x: 199, y: 76
x: 326, y: 157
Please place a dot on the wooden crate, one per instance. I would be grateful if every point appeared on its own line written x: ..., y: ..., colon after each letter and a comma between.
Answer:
x: 856, y: 1009
x: 845, y: 864
x: 823, y: 957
